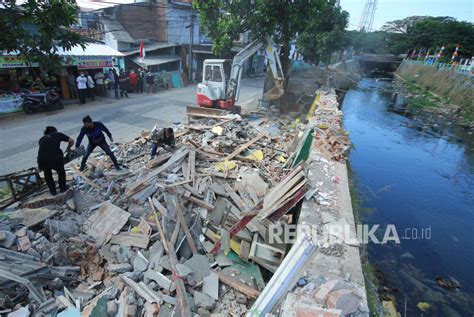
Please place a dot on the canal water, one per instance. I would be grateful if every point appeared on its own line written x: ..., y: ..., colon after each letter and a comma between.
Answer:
x: 420, y: 179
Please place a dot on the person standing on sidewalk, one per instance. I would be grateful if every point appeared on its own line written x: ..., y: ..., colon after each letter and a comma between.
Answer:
x: 114, y: 77
x: 150, y: 82
x: 90, y: 86
x: 82, y: 87
x: 95, y: 133
x: 123, y: 84
x: 71, y: 84
x: 133, y: 81
x: 141, y: 80
x: 99, y: 81
x: 50, y: 157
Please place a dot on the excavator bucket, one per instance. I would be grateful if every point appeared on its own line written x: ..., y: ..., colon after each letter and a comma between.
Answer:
x: 277, y: 91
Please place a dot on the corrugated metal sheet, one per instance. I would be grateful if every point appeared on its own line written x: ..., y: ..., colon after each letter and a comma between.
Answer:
x: 91, y: 49
x: 156, y: 60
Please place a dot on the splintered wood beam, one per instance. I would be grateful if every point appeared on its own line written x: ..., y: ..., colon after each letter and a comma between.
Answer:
x: 241, y: 287
x: 243, y: 147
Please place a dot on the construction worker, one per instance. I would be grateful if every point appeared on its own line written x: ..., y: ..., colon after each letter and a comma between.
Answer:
x: 50, y: 157
x: 95, y: 133
x: 161, y: 137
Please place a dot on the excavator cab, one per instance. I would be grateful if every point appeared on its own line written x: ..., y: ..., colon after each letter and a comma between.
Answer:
x: 212, y: 90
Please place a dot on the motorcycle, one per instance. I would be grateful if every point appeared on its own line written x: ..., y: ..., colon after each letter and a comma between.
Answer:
x: 36, y: 102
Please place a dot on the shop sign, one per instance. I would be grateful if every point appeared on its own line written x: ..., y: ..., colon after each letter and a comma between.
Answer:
x: 14, y: 62
x: 91, y: 62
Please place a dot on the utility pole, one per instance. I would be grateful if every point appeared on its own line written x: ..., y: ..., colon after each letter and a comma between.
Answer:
x: 191, y: 41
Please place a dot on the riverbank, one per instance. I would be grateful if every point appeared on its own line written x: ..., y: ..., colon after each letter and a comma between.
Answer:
x: 439, y: 91
x: 335, y: 273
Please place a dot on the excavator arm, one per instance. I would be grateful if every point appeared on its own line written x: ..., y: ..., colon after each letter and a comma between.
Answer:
x: 271, y: 56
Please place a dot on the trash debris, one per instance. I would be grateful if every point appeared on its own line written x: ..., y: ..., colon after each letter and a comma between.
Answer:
x: 185, y: 232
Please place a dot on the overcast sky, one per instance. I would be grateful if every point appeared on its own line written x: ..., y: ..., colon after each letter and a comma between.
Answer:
x: 389, y: 10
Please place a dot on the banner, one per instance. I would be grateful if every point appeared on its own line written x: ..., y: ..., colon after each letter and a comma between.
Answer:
x: 10, y: 103
x: 91, y: 62
x: 14, y: 62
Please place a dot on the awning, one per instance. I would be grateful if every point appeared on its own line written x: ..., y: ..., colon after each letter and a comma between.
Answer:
x: 156, y: 60
x: 150, y: 48
x: 91, y: 49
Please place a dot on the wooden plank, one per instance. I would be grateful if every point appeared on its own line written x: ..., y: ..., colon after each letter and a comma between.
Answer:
x: 158, y: 224
x: 131, y: 239
x: 239, y: 286
x: 138, y: 185
x: 182, y: 298
x: 158, y: 206
x: 105, y: 222
x: 192, y: 166
x: 236, y: 198
x: 145, y: 227
x: 290, y: 204
x: 239, y: 225
x: 160, y: 159
x: 200, y: 202
x: 243, y: 147
x: 193, y: 110
x: 184, y: 225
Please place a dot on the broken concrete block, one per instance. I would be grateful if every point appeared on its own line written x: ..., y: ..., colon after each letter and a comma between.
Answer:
x: 8, y: 241
x: 111, y: 308
x: 241, y: 298
x: 210, y: 285
x: 160, y: 279
x: 344, y: 300
x: 199, y: 264
x: 23, y: 243
x: 119, y: 268
x: 140, y: 263
x: 71, y: 205
x: 98, y: 274
x: 326, y: 288
x: 203, y: 300
x: 156, y: 253
x: 183, y: 270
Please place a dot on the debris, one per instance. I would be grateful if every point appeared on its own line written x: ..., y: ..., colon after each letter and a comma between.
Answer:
x: 131, y: 239
x: 108, y: 220
x: 31, y: 217
x: 344, y: 300
x: 423, y: 306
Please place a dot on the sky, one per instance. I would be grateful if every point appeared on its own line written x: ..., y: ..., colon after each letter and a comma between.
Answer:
x: 389, y: 10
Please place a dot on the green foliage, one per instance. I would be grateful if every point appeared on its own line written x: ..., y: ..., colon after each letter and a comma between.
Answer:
x: 35, y: 28
x: 316, y: 25
x: 415, y: 33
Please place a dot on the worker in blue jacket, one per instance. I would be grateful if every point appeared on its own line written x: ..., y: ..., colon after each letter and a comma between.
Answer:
x: 95, y: 133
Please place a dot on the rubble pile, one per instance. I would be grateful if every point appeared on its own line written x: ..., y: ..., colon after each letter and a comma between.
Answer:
x: 330, y: 136
x: 184, y: 233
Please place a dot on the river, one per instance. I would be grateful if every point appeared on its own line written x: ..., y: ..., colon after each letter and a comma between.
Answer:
x: 421, y: 180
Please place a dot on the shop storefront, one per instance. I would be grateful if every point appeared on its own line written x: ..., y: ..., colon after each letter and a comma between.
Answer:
x: 17, y: 77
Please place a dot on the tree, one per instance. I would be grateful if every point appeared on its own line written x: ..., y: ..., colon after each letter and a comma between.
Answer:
x: 36, y: 28
x: 285, y: 20
x: 324, y: 32
x: 402, y: 26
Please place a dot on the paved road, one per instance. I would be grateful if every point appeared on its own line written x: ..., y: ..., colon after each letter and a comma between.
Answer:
x: 126, y: 118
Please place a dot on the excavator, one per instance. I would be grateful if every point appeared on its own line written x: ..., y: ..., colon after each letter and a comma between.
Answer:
x: 220, y: 85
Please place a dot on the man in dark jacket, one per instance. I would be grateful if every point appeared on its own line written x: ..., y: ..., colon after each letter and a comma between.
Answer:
x: 50, y: 157
x: 161, y: 137
x: 94, y: 131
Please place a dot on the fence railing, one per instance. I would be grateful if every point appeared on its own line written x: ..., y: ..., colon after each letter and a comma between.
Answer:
x: 460, y: 69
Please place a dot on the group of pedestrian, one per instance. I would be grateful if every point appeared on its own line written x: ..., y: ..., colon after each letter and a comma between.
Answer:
x: 50, y: 155
x: 86, y: 85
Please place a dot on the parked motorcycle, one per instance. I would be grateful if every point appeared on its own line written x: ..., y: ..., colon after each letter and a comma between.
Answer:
x: 36, y: 102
